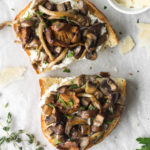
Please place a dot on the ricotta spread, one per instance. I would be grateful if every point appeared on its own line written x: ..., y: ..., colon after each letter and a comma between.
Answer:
x: 54, y: 87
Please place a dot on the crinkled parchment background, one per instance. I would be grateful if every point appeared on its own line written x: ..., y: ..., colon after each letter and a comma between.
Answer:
x: 24, y: 95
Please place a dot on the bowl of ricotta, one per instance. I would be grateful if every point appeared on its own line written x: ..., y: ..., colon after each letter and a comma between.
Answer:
x: 130, y: 6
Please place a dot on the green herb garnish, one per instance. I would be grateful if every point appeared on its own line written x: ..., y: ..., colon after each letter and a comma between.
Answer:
x: 45, y: 62
x: 74, y: 86
x: 6, y: 105
x: 72, y: 82
x: 62, y: 18
x: 13, y: 9
x: 29, y: 15
x: 70, y: 102
x: 84, y: 87
x: 9, y: 118
x: 120, y: 33
x: 9, y: 25
x: 67, y: 70
x: 31, y: 138
x: 70, y: 54
x: 62, y: 101
x: 56, y: 142
x: 6, y: 128
x: 105, y: 7
x: 68, y: 116
x: 51, y: 105
x: 145, y: 143
x: 107, y: 101
x: 91, y: 107
x: 39, y: 13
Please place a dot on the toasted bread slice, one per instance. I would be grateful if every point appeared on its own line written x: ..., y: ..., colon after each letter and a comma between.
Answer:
x: 111, y: 40
x: 45, y: 83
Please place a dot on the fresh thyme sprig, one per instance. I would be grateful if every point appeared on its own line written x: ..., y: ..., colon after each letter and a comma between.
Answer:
x: 16, y: 137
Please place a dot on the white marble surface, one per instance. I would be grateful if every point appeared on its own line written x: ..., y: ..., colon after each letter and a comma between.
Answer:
x: 24, y: 95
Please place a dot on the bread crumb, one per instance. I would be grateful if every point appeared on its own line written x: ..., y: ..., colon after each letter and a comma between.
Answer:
x: 9, y: 75
x: 90, y: 67
x: 144, y: 35
x: 127, y: 45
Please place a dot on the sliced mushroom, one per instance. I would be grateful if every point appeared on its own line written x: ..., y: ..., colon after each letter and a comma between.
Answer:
x: 68, y: 5
x: 95, y: 128
x: 51, y: 99
x: 27, y: 23
x: 94, y: 101
x: 58, y: 26
x: 80, y: 81
x: 72, y: 122
x: 49, y: 131
x: 68, y: 102
x: 90, y: 88
x: 63, y: 89
x: 99, y: 95
x: 61, y: 7
x: 69, y: 146
x: 58, y: 50
x: 108, y: 85
x: 84, y: 142
x: 85, y: 130
x: 94, y: 138
x: 91, y: 55
x: 98, y: 121
x: 90, y: 42
x: 78, y: 51
x: 82, y: 7
x: 85, y: 101
x: 25, y: 35
x: 47, y: 110
x: 114, y: 97
x: 88, y: 114
x: 75, y: 134
x: 49, y: 6
x: 58, y: 129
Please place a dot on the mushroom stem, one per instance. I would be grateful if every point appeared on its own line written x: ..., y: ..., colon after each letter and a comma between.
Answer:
x: 54, y: 13
x: 94, y: 101
x: 2, y: 25
x: 41, y: 27
x: 59, y: 58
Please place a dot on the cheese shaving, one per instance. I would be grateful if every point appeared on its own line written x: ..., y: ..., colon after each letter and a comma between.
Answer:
x: 134, y: 3
x: 9, y: 75
x: 144, y: 35
x: 127, y: 45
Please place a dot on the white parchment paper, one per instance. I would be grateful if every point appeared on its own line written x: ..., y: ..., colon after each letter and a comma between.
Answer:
x: 23, y: 96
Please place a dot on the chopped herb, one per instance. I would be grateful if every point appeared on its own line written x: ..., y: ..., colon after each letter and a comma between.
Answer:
x: 13, y: 9
x: 39, y: 148
x: 120, y: 33
x: 9, y: 118
x: 111, y: 109
x: 67, y: 70
x: 98, y: 77
x: 84, y: 86
x: 91, y: 107
x: 31, y: 138
x: 105, y: 7
x: 62, y: 101
x: 131, y: 74
x: 2, y: 140
x: 74, y: 86
x: 9, y: 25
x: 109, y: 122
x: 20, y: 148
x: 70, y: 102
x: 6, y: 105
x: 107, y: 101
x: 138, y: 20
x: 56, y: 142
x: 68, y: 116
x: 58, y: 95
x: 145, y: 143
x: 62, y: 18
x: 45, y: 62
x: 70, y: 54
x: 29, y: 15
x: 39, y: 13
x: 51, y: 105
x: 82, y: 108
x: 72, y: 82
x: 6, y: 128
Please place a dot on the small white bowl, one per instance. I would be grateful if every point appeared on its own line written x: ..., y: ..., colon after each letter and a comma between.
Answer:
x: 125, y: 10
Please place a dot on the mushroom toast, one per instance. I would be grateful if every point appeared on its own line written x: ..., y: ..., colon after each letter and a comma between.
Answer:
x: 55, y: 33
x: 79, y: 112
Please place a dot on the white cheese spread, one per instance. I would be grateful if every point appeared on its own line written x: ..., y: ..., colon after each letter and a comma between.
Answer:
x: 54, y: 87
